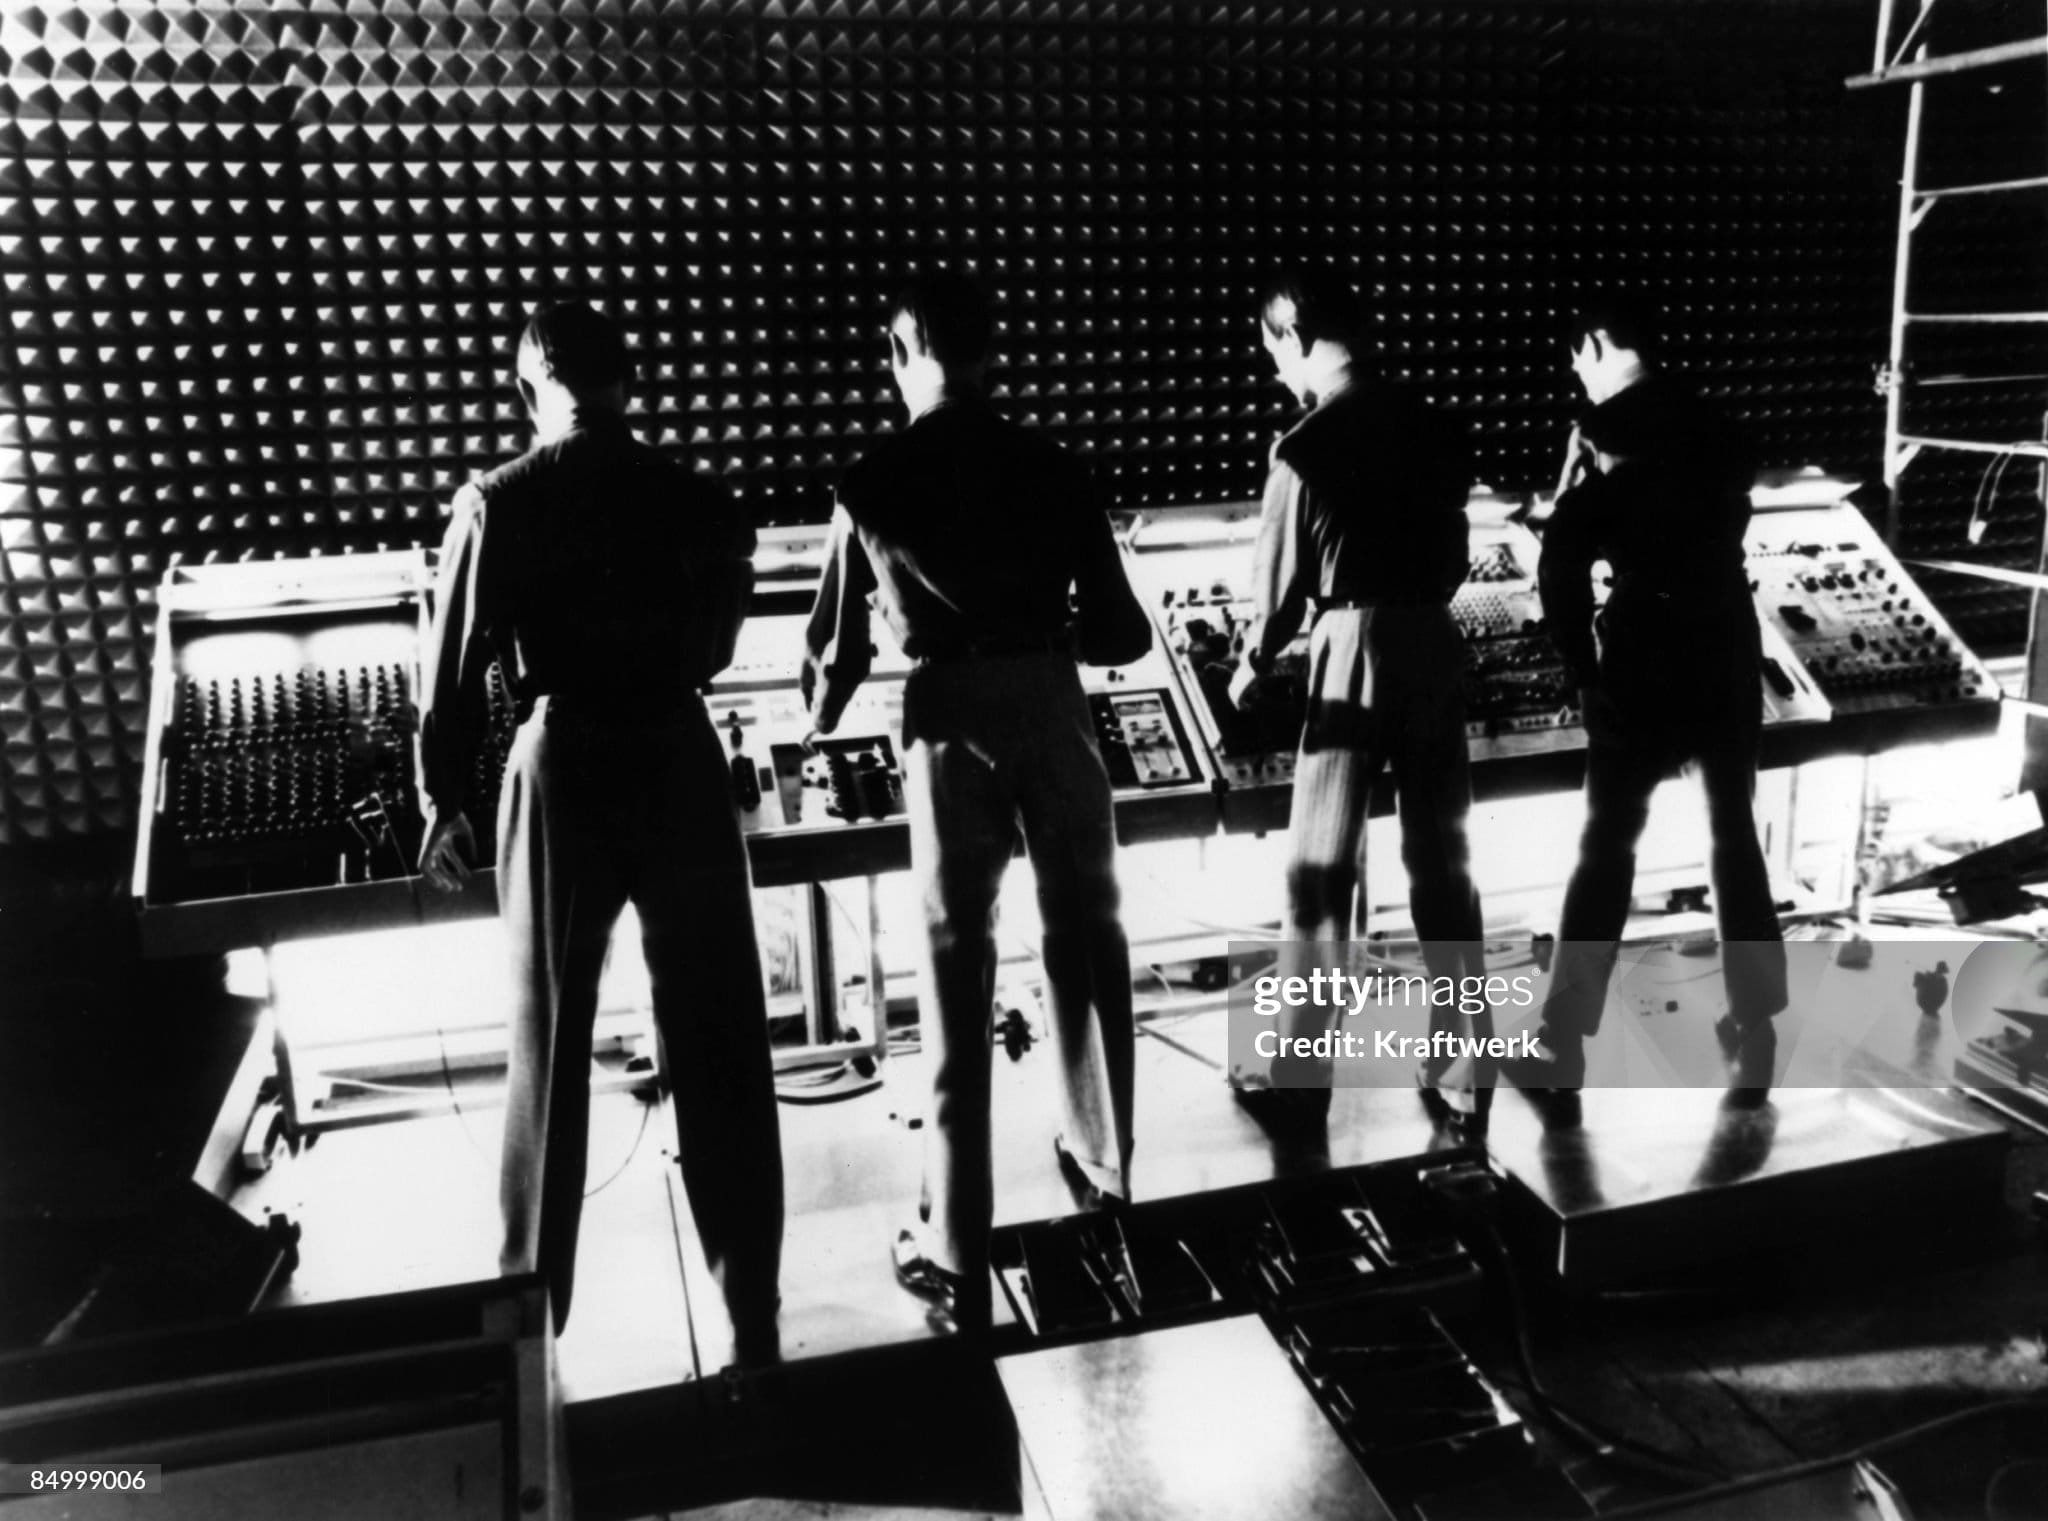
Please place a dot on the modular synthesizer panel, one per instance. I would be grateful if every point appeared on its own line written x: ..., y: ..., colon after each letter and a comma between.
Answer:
x: 279, y: 770
x: 1871, y: 639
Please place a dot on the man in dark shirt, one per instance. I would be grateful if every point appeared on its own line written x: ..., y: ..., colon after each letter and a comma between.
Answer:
x: 1656, y: 482
x: 970, y: 531
x: 610, y: 584
x: 1363, y: 536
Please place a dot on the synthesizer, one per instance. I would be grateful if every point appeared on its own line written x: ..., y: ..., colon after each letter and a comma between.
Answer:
x: 278, y: 774
x: 284, y: 713
x: 834, y: 806
x: 1872, y: 640
x: 279, y: 793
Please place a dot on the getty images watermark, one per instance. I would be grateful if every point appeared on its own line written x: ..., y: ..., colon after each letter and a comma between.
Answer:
x: 1329, y: 996
x: 1846, y: 1012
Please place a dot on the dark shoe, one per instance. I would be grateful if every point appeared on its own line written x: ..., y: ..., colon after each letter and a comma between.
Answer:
x: 1739, y: 1146
x: 1551, y: 1079
x: 1456, y: 1123
x: 956, y: 1306
x: 1296, y: 1122
x: 1287, y: 1113
x: 1559, y: 1065
x: 1752, y: 1055
x: 756, y: 1332
x: 1088, y: 1194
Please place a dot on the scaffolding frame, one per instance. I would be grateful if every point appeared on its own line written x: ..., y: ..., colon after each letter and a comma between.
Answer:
x: 1891, y: 64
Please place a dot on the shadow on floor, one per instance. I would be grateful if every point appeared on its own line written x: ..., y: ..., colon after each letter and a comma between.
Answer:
x: 911, y: 1430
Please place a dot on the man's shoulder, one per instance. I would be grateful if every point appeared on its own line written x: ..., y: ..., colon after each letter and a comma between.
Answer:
x: 998, y: 444
x: 507, y: 482
x: 500, y: 481
x: 1367, y: 412
x: 1031, y: 447
x: 624, y: 445
x: 537, y: 465
x: 1659, y: 412
x: 868, y: 475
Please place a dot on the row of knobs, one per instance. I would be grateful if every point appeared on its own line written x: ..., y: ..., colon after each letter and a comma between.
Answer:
x: 277, y: 756
x: 249, y: 797
x: 214, y: 716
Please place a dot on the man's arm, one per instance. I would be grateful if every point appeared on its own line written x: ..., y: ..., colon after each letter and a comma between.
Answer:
x: 1564, y: 576
x: 838, y: 648
x: 726, y: 579
x: 1279, y: 587
x: 1111, y: 627
x: 1452, y: 490
x: 452, y: 696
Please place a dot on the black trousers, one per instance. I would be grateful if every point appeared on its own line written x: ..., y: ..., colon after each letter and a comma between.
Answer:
x: 599, y: 811
x: 1623, y: 770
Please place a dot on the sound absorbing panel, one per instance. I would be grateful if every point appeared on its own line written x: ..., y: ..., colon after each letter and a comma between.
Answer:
x: 263, y: 261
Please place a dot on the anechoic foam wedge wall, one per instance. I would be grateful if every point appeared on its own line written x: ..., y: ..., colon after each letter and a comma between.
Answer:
x: 263, y: 262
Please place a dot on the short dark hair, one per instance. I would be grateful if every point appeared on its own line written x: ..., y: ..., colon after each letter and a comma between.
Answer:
x: 582, y: 349
x: 1628, y: 320
x: 954, y: 318
x: 1321, y: 300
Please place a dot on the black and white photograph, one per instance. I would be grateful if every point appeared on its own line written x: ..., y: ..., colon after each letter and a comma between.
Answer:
x: 1023, y: 760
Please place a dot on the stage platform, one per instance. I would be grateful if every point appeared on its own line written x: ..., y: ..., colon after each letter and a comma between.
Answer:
x: 1656, y: 1181
x: 414, y: 1203
x: 1656, y: 1184
x: 1664, y: 1186
x: 1141, y: 1428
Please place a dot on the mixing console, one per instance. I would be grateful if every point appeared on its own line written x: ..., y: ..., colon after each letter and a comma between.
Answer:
x: 1871, y: 638
x: 1204, y: 630
x: 1141, y: 739
x: 280, y: 756
x: 846, y: 779
x: 319, y: 757
x: 1517, y: 696
x: 847, y: 782
x: 1514, y: 682
x: 824, y: 807
x: 1191, y: 563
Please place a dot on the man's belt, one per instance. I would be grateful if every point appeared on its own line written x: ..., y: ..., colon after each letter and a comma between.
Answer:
x: 1405, y: 600
x: 621, y: 709
x: 1061, y: 643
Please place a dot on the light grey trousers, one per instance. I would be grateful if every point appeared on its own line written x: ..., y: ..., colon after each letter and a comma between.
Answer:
x: 1385, y: 692
x: 599, y: 811
x: 994, y: 747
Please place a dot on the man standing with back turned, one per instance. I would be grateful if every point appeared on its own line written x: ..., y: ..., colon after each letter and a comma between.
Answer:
x: 970, y: 531
x: 1363, y: 535
x: 610, y: 583
x: 1656, y: 482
